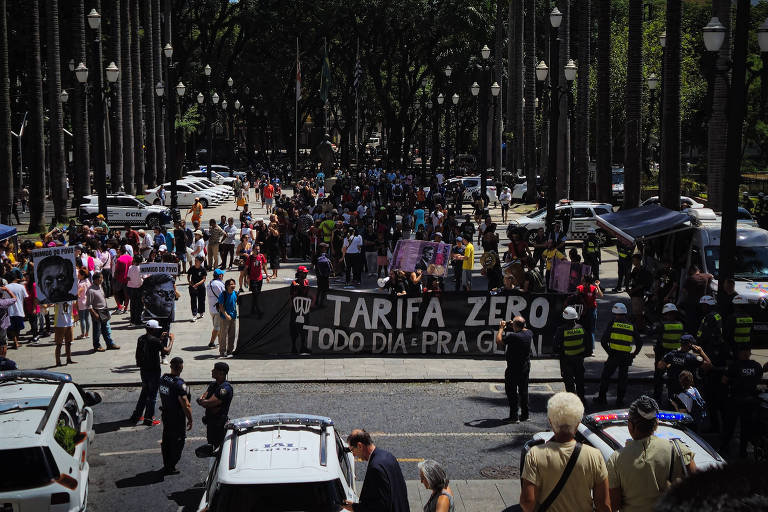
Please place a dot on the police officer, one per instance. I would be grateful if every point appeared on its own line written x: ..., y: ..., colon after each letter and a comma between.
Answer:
x: 625, y: 258
x: 591, y: 251
x: 572, y: 343
x: 689, y: 357
x: 710, y: 332
x: 517, y: 341
x: 216, y: 401
x: 669, y: 331
x: 746, y: 202
x: 742, y: 377
x: 738, y: 326
x: 617, y: 341
x: 174, y: 397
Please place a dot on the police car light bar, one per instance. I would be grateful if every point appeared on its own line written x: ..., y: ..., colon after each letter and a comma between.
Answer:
x: 264, y: 420
x: 624, y: 415
x: 38, y: 375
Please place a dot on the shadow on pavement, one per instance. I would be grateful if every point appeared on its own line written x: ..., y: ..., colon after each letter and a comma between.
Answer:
x: 110, y: 426
x: 514, y: 444
x: 141, y: 479
x: 189, y: 499
x: 202, y: 348
x: 128, y: 368
x: 486, y: 423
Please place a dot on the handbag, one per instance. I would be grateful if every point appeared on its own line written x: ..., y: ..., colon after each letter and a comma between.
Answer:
x: 563, y: 479
x: 241, y: 201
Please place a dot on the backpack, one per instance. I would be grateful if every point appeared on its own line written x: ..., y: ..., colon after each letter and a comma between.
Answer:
x: 537, y: 282
x: 698, y: 406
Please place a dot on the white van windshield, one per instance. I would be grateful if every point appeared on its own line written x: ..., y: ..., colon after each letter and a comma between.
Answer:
x: 750, y: 262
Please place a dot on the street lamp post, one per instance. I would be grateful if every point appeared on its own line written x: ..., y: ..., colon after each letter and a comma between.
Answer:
x: 455, y: 101
x: 170, y: 154
x: 440, y: 101
x: 211, y: 110
x: 482, y: 130
x: 653, y: 84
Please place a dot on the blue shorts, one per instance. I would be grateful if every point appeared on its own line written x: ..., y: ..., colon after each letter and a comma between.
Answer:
x: 17, y: 324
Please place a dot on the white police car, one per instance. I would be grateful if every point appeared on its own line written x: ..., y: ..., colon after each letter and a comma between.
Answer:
x: 215, y: 176
x: 185, y: 195
x: 471, y: 185
x: 607, y: 431
x: 125, y: 210
x: 47, y: 429
x: 280, y: 462
x: 577, y: 218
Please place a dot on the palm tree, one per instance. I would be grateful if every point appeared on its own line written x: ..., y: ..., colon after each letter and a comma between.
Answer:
x: 138, y: 115
x: 37, y: 136
x: 632, y: 103
x: 669, y: 189
x: 149, y: 91
x: 58, y: 174
x: 126, y: 79
x: 515, y: 83
x: 82, y: 158
x: 717, y: 128
x: 6, y: 162
x: 564, y: 126
x: 580, y: 184
x: 603, y: 143
x: 116, y: 110
x: 157, y: 66
x: 529, y: 113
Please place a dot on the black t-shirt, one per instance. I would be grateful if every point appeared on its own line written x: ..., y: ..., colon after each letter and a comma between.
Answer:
x: 678, y: 361
x: 148, y: 352
x: 171, y: 388
x: 179, y: 236
x: 224, y: 393
x: 518, y: 346
x: 743, y: 378
x: 197, y: 274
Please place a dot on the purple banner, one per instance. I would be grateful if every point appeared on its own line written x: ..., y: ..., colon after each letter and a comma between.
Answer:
x: 432, y: 258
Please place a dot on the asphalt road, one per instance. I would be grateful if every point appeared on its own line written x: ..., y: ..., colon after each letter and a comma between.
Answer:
x: 456, y: 424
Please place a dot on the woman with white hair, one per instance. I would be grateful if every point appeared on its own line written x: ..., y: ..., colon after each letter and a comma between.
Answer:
x: 581, y: 468
x: 433, y: 476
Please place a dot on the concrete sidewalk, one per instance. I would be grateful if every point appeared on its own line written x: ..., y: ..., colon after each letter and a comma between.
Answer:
x: 469, y: 495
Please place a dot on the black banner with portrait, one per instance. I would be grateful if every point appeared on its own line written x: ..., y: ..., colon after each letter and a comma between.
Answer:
x: 348, y: 322
x: 55, y: 274
x: 158, y: 293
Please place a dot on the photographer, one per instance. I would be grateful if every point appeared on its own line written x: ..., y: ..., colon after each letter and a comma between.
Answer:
x: 149, y: 347
x: 516, y: 340
x: 352, y: 256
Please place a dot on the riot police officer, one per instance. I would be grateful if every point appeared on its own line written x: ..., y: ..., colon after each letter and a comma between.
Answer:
x: 710, y: 332
x: 624, y: 252
x: 618, y: 341
x: 738, y: 326
x: 689, y: 357
x: 669, y: 333
x: 742, y: 377
x: 216, y: 401
x: 572, y: 344
x: 591, y: 251
x: 174, y: 397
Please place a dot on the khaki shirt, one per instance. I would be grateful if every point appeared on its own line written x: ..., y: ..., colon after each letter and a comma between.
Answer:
x: 641, y: 471
x: 544, y: 465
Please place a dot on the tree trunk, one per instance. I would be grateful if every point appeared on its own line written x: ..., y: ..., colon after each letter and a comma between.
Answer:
x: 633, y: 102
x: 580, y: 183
x: 116, y: 109
x: 126, y: 81
x: 82, y: 156
x: 498, y: 100
x: 603, y: 104
x: 157, y: 67
x: 6, y: 147
x: 529, y: 113
x: 564, y: 124
x: 138, y: 112
x: 36, y: 131
x: 670, y: 143
x: 435, y: 117
x: 544, y: 156
x: 150, y: 174
x: 514, y: 57
x: 717, y: 129
x: 58, y: 173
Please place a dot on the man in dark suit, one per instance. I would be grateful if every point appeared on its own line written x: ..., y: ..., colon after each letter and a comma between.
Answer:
x: 384, y: 486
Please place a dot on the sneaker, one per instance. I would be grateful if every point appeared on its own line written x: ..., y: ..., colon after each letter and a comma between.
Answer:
x: 211, y: 345
x: 35, y: 339
x: 135, y: 418
x: 524, y: 416
x: 200, y: 316
x: 164, y: 360
x: 230, y: 355
x: 151, y: 422
x: 113, y: 347
x: 194, y: 319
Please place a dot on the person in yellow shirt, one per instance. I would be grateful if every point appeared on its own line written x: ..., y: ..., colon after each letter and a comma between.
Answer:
x: 549, y: 255
x: 468, y: 263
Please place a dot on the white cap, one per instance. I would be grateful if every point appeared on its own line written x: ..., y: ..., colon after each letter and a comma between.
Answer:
x: 619, y: 309
x: 739, y: 299
x: 708, y: 300
x: 382, y: 282
x: 152, y: 324
x: 163, y: 248
x: 668, y: 308
x: 570, y: 313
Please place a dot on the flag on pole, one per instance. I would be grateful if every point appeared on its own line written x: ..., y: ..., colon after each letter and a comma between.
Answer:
x: 298, y: 72
x: 325, y: 77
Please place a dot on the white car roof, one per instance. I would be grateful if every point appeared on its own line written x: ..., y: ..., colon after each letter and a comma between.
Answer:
x: 19, y: 428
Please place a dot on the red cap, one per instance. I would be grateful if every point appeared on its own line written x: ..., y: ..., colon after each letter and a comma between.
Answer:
x: 302, y: 269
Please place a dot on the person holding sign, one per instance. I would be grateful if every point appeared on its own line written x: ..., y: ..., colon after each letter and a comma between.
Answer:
x: 56, y: 278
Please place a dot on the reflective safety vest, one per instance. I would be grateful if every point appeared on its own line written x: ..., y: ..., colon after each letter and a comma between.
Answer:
x: 590, y: 247
x: 743, y: 331
x: 624, y: 252
x: 622, y: 336
x: 701, y: 332
x: 573, y: 341
x: 670, y: 338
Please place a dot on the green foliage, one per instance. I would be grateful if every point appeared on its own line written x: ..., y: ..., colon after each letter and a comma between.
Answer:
x: 65, y: 436
x: 189, y: 123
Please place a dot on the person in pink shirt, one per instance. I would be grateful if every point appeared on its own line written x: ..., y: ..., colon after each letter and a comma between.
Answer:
x: 122, y: 296
x: 83, y: 314
x: 135, y: 280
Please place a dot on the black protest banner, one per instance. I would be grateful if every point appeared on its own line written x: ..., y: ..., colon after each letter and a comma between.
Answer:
x: 344, y: 322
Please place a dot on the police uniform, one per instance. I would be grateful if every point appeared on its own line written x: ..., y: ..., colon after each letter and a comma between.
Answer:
x: 710, y: 334
x: 738, y: 331
x: 625, y: 258
x: 668, y: 340
x: 679, y: 360
x: 618, y: 341
x: 743, y: 403
x: 216, y: 420
x: 572, y: 344
x: 591, y: 251
x: 173, y: 387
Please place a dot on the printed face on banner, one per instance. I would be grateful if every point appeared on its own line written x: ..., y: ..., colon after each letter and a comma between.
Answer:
x: 429, y: 257
x: 55, y: 274
x: 157, y: 292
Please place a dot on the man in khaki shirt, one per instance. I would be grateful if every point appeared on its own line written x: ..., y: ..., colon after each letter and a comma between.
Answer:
x: 640, y: 473
x: 587, y: 485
